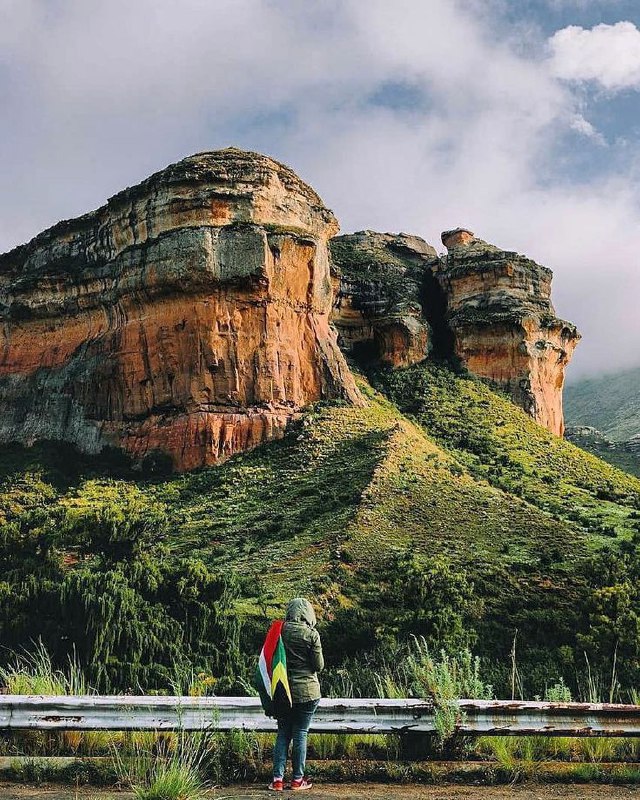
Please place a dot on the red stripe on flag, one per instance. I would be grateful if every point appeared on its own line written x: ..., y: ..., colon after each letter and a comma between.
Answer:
x: 271, y: 642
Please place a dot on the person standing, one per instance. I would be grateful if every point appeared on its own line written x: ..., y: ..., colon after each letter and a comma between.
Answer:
x: 304, y: 660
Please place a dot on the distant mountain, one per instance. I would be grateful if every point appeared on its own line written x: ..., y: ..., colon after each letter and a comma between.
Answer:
x: 624, y: 455
x: 610, y: 403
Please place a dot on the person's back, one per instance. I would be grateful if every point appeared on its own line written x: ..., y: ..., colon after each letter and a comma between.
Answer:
x: 304, y: 661
x: 304, y: 651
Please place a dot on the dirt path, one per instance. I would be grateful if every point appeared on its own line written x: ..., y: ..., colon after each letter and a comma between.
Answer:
x: 357, y: 792
x: 409, y: 792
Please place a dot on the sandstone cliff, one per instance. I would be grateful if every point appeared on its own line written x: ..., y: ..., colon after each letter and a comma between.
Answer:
x: 504, y: 325
x: 489, y: 308
x: 189, y: 316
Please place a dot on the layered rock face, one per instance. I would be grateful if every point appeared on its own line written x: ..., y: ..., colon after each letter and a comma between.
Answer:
x: 380, y: 285
x: 397, y: 303
x: 504, y: 325
x: 189, y: 316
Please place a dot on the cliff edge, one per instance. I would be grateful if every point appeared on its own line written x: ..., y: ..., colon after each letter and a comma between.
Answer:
x: 504, y: 324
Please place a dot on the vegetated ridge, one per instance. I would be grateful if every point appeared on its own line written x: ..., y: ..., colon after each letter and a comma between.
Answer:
x: 464, y: 523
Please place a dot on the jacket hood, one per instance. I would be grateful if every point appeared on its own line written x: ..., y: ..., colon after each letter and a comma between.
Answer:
x: 301, y: 610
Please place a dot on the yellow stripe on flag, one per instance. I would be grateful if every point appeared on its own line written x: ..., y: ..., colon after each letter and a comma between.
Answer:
x: 280, y: 674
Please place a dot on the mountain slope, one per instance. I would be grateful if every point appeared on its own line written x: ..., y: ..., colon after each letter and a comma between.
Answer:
x: 610, y: 403
x: 514, y: 512
x: 498, y: 443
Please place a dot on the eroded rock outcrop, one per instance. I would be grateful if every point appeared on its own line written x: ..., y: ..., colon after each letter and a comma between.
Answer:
x: 380, y: 294
x: 504, y: 325
x: 398, y: 303
x: 188, y: 316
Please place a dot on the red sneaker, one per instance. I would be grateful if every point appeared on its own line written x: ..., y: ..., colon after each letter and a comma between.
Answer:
x: 300, y: 784
x: 276, y: 785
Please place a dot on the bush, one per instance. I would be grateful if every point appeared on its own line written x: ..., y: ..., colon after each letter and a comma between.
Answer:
x: 127, y: 610
x: 444, y: 680
x: 611, y: 635
x: 168, y: 768
x: 409, y: 595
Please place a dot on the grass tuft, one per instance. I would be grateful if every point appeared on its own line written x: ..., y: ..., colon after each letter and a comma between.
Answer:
x: 164, y: 767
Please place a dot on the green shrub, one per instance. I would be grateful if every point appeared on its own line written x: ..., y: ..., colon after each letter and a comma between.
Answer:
x: 409, y: 595
x: 129, y: 611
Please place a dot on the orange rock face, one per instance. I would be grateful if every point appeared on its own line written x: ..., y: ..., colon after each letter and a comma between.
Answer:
x: 504, y: 326
x: 189, y: 316
x: 456, y: 236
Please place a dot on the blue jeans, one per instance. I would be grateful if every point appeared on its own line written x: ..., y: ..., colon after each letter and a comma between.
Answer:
x: 294, y: 726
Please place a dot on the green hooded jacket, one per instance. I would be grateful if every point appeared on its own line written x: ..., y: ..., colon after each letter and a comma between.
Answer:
x: 304, y: 651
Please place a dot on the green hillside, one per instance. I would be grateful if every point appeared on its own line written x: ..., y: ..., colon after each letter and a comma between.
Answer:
x: 610, y: 403
x: 438, y: 509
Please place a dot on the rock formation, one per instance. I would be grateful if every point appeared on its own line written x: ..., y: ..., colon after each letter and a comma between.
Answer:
x: 189, y: 316
x: 504, y: 325
x: 379, y: 297
x: 397, y: 302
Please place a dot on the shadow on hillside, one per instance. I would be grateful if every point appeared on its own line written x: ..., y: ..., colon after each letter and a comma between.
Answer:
x: 281, y: 492
x: 61, y: 464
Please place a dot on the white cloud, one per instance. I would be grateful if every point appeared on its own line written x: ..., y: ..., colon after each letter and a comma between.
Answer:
x: 608, y: 55
x: 97, y: 96
x: 581, y: 125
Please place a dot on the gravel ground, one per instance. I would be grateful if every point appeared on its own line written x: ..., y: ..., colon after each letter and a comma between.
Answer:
x: 358, y: 792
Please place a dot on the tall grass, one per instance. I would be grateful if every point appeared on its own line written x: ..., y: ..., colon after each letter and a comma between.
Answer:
x: 353, y: 746
x: 177, y: 766
x: 33, y: 673
x: 444, y: 680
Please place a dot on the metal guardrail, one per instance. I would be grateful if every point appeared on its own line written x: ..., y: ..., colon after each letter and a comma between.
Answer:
x: 475, y: 717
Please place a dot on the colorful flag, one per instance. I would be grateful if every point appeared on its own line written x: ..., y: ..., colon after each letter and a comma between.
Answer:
x: 271, y: 675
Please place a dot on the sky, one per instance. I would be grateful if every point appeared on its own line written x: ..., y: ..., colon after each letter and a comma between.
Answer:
x: 518, y: 119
